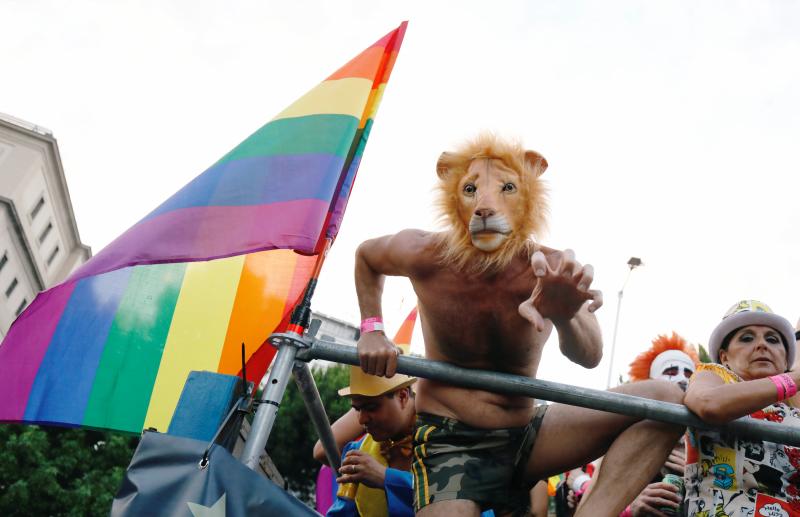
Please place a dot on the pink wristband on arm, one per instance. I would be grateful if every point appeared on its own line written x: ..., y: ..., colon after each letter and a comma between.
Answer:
x: 788, y: 384
x: 784, y: 385
x: 792, y: 386
x: 372, y: 325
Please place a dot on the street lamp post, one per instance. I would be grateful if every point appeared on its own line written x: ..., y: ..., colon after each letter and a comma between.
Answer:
x: 633, y: 263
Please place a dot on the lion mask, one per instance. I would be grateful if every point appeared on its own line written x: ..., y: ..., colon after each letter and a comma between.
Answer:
x: 492, y: 201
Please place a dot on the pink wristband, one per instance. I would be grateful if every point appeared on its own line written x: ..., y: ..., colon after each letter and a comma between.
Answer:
x: 780, y: 387
x: 372, y: 325
x: 788, y: 384
x: 627, y: 512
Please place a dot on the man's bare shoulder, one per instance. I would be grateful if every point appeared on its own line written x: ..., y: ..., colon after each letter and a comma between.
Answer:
x: 419, y: 239
x: 407, y: 252
x: 420, y: 249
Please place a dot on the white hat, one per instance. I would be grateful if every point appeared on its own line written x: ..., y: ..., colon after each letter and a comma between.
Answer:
x: 752, y: 312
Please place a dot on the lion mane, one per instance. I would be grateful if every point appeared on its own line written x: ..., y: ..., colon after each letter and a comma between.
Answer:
x: 640, y: 367
x: 456, y: 248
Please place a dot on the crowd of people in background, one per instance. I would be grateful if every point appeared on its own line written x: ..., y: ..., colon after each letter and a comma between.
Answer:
x: 708, y: 473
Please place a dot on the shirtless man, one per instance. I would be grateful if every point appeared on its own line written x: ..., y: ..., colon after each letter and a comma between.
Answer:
x: 489, y: 297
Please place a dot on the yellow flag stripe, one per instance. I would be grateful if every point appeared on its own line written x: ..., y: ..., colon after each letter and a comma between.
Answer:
x: 338, y: 97
x: 197, y: 333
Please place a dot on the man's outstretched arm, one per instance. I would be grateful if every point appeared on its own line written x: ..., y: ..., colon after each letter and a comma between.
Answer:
x: 389, y: 255
x: 580, y: 339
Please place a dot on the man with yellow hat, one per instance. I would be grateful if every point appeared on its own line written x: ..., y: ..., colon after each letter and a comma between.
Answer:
x: 375, y: 477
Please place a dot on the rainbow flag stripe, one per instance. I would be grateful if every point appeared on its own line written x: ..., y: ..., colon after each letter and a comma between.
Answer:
x: 406, y: 330
x: 211, y: 268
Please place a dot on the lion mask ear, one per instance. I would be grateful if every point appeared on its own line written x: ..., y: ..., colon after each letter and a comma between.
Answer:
x: 535, y: 162
x: 443, y: 164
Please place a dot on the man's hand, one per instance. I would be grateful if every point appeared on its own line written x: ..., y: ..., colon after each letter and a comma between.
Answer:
x: 360, y: 467
x: 654, y: 496
x: 377, y: 354
x: 562, y: 289
x: 676, y: 462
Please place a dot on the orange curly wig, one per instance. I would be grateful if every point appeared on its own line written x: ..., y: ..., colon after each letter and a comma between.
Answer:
x: 640, y: 367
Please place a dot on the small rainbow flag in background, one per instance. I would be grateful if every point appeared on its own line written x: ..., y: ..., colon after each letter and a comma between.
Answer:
x: 209, y: 269
x: 406, y: 330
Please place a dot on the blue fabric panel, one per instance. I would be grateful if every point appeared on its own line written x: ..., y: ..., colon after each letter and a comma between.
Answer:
x: 204, y: 403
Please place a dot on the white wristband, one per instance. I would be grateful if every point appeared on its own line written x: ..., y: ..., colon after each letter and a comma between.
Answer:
x: 578, y: 482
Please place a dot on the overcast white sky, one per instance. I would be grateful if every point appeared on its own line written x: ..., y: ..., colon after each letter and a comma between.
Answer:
x: 671, y: 128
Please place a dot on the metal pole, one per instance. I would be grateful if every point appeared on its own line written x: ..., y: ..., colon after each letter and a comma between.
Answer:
x: 614, y: 339
x: 271, y: 397
x: 308, y: 389
x: 287, y: 345
x: 557, y: 392
x: 633, y: 262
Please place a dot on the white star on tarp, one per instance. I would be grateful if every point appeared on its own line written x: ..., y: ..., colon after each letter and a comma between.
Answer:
x: 218, y: 510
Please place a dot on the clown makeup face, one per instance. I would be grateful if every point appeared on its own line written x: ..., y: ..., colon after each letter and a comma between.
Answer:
x: 673, y: 366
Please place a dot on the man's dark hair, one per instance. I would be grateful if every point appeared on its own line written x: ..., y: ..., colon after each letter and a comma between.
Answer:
x: 411, y: 394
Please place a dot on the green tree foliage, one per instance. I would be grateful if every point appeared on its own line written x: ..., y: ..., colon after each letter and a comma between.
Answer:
x: 703, y: 354
x: 55, y: 471
x: 292, y: 438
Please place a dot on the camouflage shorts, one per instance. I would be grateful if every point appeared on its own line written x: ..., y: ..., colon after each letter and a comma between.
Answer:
x: 455, y: 461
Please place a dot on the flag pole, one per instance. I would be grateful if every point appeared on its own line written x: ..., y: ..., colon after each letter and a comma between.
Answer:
x: 287, y: 344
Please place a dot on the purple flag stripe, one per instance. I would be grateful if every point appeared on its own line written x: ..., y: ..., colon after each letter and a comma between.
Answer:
x: 205, y: 233
x: 341, y: 201
x: 258, y: 181
x: 34, y: 328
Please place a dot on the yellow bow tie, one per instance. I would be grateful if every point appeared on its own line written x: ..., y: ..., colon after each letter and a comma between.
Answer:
x: 404, y: 446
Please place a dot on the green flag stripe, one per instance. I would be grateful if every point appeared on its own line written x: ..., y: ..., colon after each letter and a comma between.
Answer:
x: 132, y: 355
x: 312, y: 134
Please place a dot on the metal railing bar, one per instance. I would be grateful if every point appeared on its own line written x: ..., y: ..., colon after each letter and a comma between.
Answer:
x: 509, y: 384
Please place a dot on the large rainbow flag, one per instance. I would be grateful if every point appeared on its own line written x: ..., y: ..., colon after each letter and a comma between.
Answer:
x: 220, y: 263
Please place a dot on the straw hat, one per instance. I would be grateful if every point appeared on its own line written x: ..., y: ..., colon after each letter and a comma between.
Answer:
x: 752, y: 312
x: 371, y: 385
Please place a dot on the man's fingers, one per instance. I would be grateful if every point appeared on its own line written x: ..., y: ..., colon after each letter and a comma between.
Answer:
x: 597, y: 300
x: 658, y: 495
x: 539, y: 264
x: 529, y: 312
x: 568, y: 264
x: 658, y: 502
x: 677, y: 457
x: 585, y: 277
x: 373, y: 364
x: 391, y: 362
x: 380, y: 367
x: 351, y: 456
